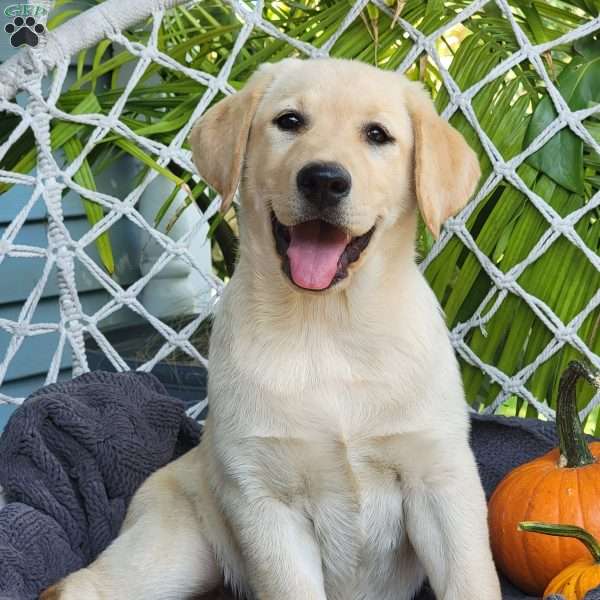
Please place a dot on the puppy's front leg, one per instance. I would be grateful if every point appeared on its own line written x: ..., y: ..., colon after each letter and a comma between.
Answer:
x: 280, y: 551
x: 161, y: 553
x: 446, y: 518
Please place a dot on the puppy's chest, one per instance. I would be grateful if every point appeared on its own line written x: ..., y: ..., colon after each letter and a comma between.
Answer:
x: 323, y: 365
x: 375, y: 486
x: 351, y: 494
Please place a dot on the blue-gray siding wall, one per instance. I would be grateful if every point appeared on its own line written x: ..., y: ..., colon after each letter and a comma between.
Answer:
x: 18, y: 276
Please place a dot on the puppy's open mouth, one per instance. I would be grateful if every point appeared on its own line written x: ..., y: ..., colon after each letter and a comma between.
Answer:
x: 315, y: 253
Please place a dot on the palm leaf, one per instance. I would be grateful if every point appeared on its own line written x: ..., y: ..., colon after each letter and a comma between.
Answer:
x: 505, y: 225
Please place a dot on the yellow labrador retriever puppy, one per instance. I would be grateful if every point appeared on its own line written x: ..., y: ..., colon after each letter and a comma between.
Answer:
x: 335, y: 461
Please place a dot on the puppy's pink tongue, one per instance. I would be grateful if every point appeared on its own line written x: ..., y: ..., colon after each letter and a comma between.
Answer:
x: 314, y: 251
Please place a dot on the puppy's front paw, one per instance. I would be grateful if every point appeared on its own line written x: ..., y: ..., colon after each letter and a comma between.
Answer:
x: 77, y: 586
x: 52, y: 593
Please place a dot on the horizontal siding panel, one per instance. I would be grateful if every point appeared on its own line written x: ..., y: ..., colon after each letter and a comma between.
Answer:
x: 13, y: 202
x: 36, y: 352
x: 116, y: 181
x: 21, y: 389
x: 18, y: 276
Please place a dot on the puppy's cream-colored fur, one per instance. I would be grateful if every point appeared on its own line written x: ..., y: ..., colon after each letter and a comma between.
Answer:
x: 335, y: 461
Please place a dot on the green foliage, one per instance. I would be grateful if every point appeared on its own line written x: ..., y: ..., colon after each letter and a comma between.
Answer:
x: 562, y: 157
x: 512, y: 110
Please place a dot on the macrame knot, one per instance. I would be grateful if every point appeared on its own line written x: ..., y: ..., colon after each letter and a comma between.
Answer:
x: 565, y: 116
x: 73, y: 324
x: 175, y: 249
x: 562, y: 226
x: 456, y: 337
x: 504, y: 281
x: 53, y: 184
x: 20, y: 329
x: 151, y: 53
x: 502, y: 168
x: 62, y: 251
x: 564, y: 334
x: 462, y: 101
x: 178, y: 340
x: 512, y: 386
x: 121, y: 208
x: 453, y: 224
x: 126, y: 297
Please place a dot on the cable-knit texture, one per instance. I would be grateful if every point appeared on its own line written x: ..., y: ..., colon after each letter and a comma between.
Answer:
x: 73, y: 454
x: 71, y: 457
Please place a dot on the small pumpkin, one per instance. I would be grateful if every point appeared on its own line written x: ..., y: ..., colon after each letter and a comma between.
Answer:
x: 559, y: 486
x: 583, y: 575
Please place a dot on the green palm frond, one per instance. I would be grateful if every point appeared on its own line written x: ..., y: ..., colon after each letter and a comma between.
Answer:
x: 511, y: 110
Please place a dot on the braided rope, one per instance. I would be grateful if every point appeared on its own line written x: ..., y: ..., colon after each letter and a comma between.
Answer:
x: 25, y: 71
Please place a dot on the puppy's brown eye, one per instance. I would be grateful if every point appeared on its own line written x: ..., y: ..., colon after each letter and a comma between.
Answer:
x: 289, y: 121
x: 376, y: 134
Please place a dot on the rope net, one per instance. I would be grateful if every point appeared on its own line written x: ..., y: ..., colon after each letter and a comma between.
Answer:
x: 39, y: 75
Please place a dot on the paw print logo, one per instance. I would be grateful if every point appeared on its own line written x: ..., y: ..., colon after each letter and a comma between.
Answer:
x: 24, y: 31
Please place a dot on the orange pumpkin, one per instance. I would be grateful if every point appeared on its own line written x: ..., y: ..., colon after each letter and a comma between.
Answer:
x: 574, y: 582
x: 563, y: 485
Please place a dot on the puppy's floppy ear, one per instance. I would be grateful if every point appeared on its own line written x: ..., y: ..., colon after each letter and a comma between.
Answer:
x: 219, y: 137
x: 446, y: 168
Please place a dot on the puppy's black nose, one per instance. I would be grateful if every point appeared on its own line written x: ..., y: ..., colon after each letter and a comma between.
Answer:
x: 324, y: 184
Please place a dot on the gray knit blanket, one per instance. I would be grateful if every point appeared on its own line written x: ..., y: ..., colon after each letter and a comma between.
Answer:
x: 74, y: 453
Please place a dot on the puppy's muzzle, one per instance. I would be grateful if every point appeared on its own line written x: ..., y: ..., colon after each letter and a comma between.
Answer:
x: 318, y: 249
x: 324, y: 184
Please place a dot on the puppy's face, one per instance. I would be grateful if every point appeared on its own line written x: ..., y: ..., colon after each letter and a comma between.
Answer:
x: 329, y: 155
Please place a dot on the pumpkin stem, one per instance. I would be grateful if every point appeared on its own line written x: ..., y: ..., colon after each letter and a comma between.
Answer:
x: 571, y: 531
x: 571, y: 440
